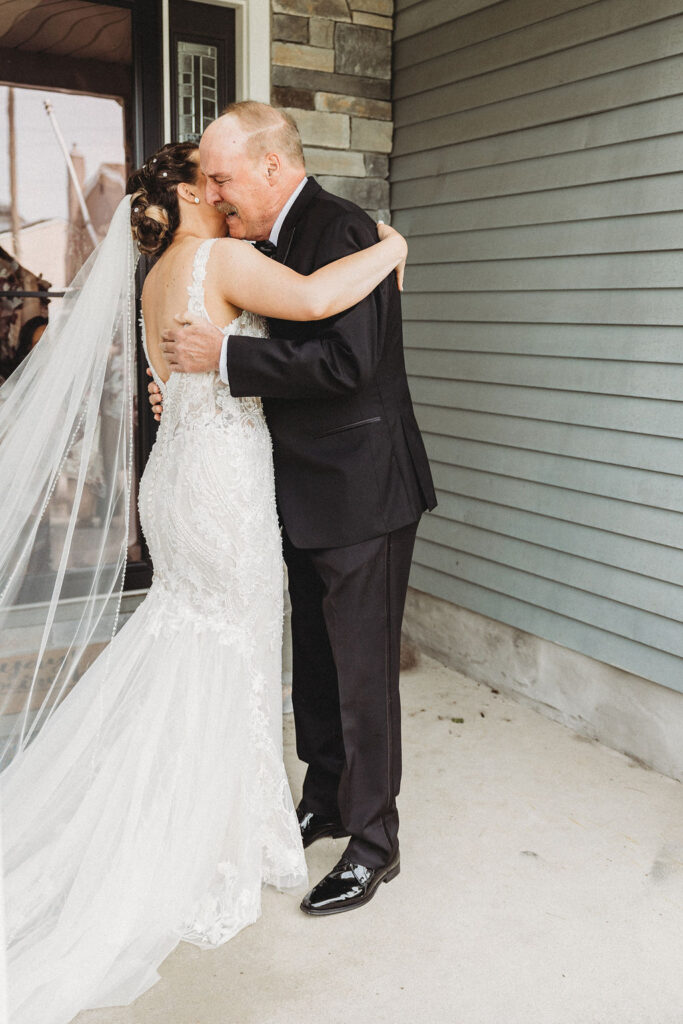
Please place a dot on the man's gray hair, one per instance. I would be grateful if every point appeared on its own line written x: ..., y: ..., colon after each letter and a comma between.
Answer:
x: 269, y: 129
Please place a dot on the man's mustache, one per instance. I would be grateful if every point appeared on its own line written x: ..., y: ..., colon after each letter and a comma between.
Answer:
x: 226, y: 208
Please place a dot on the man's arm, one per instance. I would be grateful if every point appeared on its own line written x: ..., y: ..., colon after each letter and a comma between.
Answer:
x: 338, y: 360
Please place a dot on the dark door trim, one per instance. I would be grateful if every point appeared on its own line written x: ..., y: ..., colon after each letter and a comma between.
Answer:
x: 148, y: 107
x: 146, y: 113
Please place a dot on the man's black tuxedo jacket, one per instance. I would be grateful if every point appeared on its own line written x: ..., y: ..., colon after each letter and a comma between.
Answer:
x: 349, y: 459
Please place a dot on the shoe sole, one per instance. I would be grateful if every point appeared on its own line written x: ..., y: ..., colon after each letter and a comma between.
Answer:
x: 332, y: 833
x: 322, y: 912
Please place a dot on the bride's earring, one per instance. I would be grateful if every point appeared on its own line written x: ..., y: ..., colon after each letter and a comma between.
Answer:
x: 196, y: 199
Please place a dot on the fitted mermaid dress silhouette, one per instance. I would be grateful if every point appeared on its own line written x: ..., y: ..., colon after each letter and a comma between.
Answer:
x: 154, y: 804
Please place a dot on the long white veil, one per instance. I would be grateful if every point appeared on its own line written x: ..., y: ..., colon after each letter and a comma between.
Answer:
x: 66, y: 463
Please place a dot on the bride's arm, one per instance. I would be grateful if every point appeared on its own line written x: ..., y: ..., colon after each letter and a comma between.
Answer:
x: 252, y: 281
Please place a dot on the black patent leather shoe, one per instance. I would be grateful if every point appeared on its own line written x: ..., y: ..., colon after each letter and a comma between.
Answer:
x: 318, y: 826
x: 347, y: 886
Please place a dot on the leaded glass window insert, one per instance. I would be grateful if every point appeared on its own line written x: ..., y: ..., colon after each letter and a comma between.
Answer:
x: 197, y: 89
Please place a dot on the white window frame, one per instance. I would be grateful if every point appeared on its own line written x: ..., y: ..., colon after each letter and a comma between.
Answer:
x: 252, y: 52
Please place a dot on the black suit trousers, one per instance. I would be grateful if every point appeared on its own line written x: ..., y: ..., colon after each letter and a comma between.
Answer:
x: 347, y: 609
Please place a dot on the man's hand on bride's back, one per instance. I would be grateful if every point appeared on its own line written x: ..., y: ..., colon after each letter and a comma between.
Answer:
x: 385, y: 231
x: 192, y: 347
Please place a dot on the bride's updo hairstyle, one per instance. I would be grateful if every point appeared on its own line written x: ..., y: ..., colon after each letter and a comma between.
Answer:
x: 154, y: 210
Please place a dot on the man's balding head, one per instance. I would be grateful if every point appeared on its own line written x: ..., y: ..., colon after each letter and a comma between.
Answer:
x: 267, y: 128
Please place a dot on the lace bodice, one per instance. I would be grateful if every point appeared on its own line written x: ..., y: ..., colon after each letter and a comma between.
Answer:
x: 212, y: 458
x: 199, y: 399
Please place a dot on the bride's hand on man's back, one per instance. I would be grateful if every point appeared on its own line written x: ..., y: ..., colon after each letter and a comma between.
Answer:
x: 154, y: 396
x: 386, y: 231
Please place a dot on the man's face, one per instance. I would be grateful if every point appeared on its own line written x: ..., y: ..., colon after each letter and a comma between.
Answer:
x: 236, y: 183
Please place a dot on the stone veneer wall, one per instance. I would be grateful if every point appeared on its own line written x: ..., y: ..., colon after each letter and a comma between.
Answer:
x: 331, y: 68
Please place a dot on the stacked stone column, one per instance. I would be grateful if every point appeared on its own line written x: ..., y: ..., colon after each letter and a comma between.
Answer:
x: 331, y: 68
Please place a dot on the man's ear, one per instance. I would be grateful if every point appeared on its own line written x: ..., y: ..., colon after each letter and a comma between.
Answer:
x: 273, y: 167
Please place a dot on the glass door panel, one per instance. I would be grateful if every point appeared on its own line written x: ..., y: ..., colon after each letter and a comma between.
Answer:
x: 65, y: 138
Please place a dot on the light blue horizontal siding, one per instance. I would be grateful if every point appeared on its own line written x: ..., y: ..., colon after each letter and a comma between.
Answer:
x: 545, y: 206
x: 537, y: 174
x: 619, y: 161
x: 541, y: 620
x: 615, y: 447
x: 494, y: 451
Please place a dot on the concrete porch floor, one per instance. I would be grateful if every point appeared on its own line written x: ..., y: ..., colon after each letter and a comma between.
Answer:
x: 542, y: 883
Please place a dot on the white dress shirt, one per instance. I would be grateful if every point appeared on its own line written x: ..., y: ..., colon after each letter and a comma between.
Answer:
x: 273, y: 237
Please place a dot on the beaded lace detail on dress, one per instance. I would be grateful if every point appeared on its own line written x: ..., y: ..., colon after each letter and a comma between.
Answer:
x: 217, y: 556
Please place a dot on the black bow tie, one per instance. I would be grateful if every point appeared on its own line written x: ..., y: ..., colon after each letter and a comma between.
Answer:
x: 267, y: 248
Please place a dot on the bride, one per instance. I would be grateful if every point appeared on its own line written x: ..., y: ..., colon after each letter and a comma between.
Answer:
x: 148, y: 803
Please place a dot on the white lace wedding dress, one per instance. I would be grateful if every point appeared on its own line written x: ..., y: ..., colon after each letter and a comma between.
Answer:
x: 154, y: 804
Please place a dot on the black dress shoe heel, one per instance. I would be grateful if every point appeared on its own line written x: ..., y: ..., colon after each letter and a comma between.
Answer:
x: 391, y: 874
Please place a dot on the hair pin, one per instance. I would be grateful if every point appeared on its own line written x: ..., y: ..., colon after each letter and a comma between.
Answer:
x: 164, y: 174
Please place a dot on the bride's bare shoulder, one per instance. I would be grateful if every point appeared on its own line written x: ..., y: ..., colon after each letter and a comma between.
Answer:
x: 230, y: 249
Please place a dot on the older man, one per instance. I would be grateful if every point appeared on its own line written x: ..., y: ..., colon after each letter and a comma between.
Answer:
x: 352, y: 480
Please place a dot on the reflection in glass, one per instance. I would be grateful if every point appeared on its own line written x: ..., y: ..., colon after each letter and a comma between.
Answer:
x: 44, y: 240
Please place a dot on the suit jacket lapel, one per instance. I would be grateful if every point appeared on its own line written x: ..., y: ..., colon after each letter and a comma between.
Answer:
x: 284, y: 244
x: 287, y: 232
